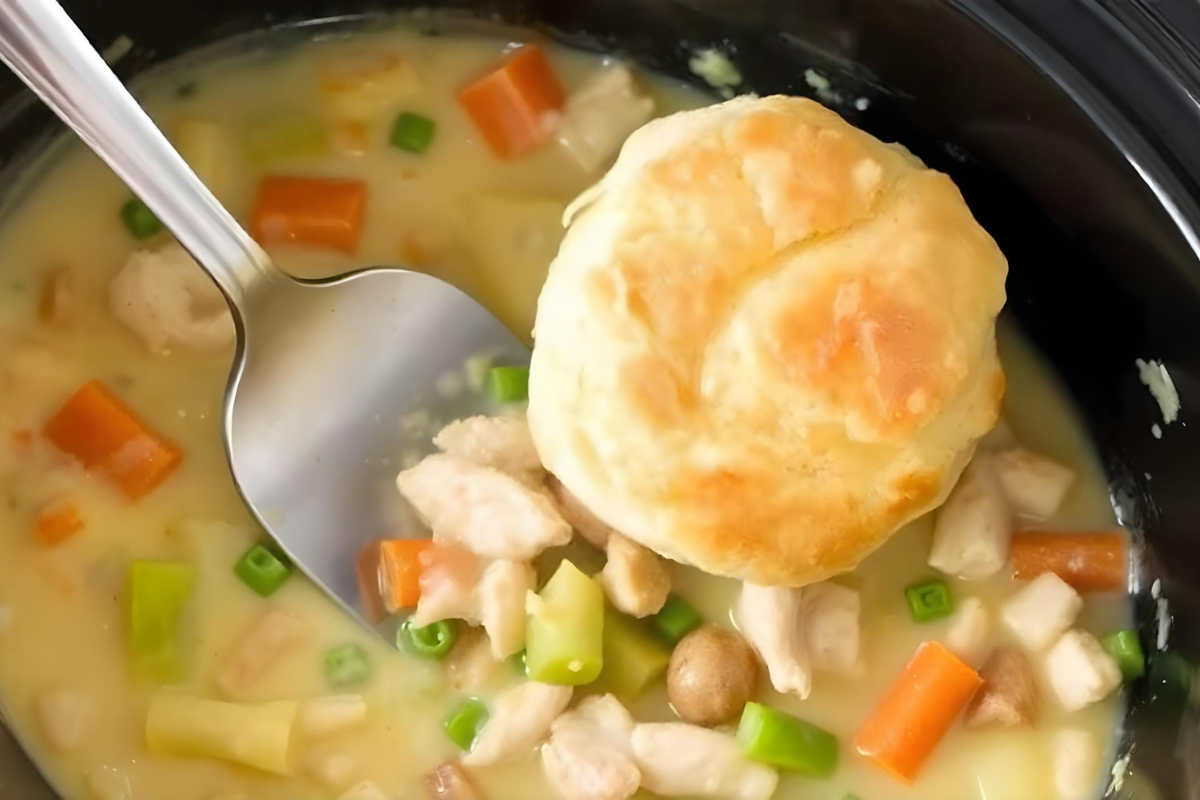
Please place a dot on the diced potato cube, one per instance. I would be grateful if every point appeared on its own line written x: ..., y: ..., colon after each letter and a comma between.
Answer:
x: 600, y: 116
x: 1080, y: 671
x: 1042, y: 611
x: 1034, y: 485
x: 972, y: 530
x: 970, y: 627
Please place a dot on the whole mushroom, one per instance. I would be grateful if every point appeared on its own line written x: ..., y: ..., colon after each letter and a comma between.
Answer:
x: 712, y: 674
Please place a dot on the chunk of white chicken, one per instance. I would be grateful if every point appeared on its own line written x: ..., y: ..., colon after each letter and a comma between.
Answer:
x: 676, y: 759
x: 456, y: 584
x: 491, y: 513
x: 580, y: 517
x: 1034, y: 485
x: 167, y: 300
x: 1080, y: 671
x: 1076, y: 763
x: 634, y: 578
x: 969, y: 629
x: 973, y: 528
x: 1042, y: 611
x: 501, y: 602
x: 266, y: 641
x: 327, y: 716
x: 831, y: 626
x: 471, y: 665
x: 518, y: 720
x: 770, y: 619
x: 64, y: 715
x: 450, y: 782
x: 600, y: 116
x: 449, y: 575
x: 588, y: 756
x: 502, y: 443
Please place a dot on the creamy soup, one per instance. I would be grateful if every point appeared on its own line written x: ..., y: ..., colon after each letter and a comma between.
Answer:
x: 490, y: 225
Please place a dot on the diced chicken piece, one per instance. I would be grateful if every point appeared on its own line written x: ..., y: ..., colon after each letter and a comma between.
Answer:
x: 470, y: 665
x: 600, y: 116
x: 334, y: 770
x: 676, y: 759
x: 165, y: 298
x: 1076, y: 764
x: 769, y: 618
x: 501, y: 595
x: 581, y: 518
x: 109, y: 783
x: 1042, y: 611
x: 449, y: 575
x: 517, y: 721
x: 367, y: 790
x: 58, y: 305
x: 635, y: 579
x: 260, y: 647
x: 63, y: 715
x: 969, y: 629
x: 365, y: 87
x: 326, y: 716
x: 831, y: 626
x: 1080, y: 671
x: 1034, y: 485
x: 502, y: 443
x: 588, y: 756
x: 973, y: 528
x: 450, y: 782
x: 1009, y: 694
x: 493, y: 514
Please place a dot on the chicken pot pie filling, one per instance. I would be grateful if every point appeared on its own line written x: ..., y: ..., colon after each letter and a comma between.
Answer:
x: 767, y: 342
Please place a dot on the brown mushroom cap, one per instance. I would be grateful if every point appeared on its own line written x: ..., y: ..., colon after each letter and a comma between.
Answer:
x: 712, y: 674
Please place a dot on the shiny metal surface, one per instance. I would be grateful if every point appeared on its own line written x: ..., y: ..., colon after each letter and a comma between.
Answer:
x: 325, y: 371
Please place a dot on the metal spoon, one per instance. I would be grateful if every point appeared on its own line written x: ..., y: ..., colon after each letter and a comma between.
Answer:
x: 325, y: 371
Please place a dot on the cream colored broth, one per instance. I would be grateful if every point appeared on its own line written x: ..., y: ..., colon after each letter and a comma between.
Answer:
x: 67, y: 630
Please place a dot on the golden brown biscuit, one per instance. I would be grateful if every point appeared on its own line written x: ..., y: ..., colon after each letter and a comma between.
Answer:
x: 767, y: 341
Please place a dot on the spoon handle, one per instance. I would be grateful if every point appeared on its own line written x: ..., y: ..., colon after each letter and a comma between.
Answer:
x: 41, y: 44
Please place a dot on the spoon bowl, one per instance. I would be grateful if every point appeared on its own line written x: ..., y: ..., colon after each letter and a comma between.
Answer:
x: 326, y: 372
x: 336, y: 383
